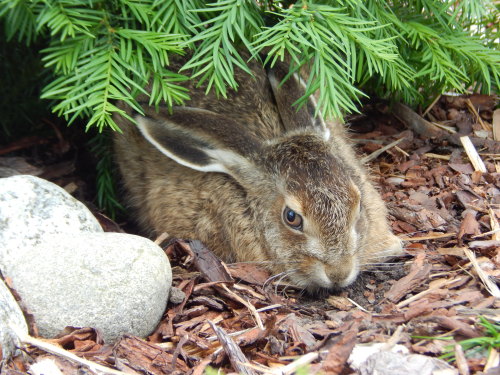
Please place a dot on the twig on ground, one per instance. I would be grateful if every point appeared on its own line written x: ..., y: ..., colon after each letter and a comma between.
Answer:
x: 415, y: 122
x: 416, y: 297
x: 490, y: 286
x: 476, y: 114
x: 162, y: 237
x: 495, y: 226
x: 428, y: 109
x: 474, y: 157
x: 53, y: 349
x: 375, y: 154
x: 250, y: 307
x: 463, y: 367
x: 233, y: 351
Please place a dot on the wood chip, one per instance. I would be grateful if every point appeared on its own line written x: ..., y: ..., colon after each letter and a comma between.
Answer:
x: 208, y: 263
x: 415, y: 122
x: 474, y: 157
x: 490, y: 286
x: 250, y: 307
x: 463, y: 367
x: 419, y: 272
x: 132, y: 353
x: 495, y: 225
x: 233, y: 351
x: 339, y: 352
x: 455, y: 325
x: 496, y: 124
x: 380, y: 151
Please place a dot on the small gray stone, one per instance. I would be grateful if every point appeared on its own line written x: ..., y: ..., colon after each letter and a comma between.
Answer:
x: 176, y: 295
x: 389, y: 363
x: 11, y: 322
x: 118, y: 283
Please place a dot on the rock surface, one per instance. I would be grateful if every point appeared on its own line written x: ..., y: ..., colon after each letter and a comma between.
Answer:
x: 69, y: 272
x: 115, y: 282
x: 389, y: 363
x: 12, y: 322
x: 31, y: 207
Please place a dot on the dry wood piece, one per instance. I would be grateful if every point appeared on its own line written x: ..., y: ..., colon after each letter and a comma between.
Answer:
x: 415, y: 122
x: 380, y: 151
x: 496, y: 124
x: 53, y: 349
x: 419, y: 272
x: 463, y: 368
x: 135, y: 354
x: 455, y: 325
x: 340, y: 351
x: 252, y: 309
x: 233, y: 351
x: 495, y: 226
x: 476, y: 114
x: 474, y: 157
x: 207, y: 263
x: 493, y: 361
x: 490, y: 286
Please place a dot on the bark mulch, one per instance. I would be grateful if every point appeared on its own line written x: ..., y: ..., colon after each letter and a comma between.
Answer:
x: 439, y: 174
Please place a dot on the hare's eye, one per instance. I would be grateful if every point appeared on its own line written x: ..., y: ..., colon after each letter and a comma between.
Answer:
x: 292, y: 218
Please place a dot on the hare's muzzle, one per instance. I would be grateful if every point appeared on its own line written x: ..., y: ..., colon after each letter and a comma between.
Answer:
x: 318, y: 275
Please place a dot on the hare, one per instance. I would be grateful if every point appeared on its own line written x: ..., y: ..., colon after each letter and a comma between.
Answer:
x: 256, y: 180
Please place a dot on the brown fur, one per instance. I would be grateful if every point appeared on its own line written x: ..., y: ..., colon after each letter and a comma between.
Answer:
x: 271, y: 157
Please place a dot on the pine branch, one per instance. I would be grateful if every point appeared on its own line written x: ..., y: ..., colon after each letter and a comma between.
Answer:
x: 333, y: 43
x: 65, y: 19
x: 391, y: 48
x: 20, y: 19
x: 215, y: 58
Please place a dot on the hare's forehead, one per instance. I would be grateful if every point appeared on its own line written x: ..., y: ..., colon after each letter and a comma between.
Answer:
x: 323, y: 197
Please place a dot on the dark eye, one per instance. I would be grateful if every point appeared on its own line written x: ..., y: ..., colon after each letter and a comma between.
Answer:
x: 292, y: 218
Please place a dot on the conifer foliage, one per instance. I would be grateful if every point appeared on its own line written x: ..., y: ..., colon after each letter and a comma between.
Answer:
x: 99, y: 52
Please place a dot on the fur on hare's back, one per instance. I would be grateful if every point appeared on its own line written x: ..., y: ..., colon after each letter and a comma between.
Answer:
x: 256, y: 180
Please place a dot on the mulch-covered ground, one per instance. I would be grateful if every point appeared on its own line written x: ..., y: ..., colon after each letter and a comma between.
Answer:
x: 440, y: 177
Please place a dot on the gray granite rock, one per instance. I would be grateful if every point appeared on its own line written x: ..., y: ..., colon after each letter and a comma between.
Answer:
x: 11, y: 322
x: 115, y: 282
x: 69, y: 272
x: 31, y: 207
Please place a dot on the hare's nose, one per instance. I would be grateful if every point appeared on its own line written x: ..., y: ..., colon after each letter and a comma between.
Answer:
x: 320, y: 277
x: 344, y: 272
x: 328, y: 276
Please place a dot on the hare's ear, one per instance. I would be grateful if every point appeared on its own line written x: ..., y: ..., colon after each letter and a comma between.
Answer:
x: 198, y: 139
x: 288, y: 92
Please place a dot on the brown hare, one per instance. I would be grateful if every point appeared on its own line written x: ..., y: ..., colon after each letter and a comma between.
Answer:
x: 256, y: 180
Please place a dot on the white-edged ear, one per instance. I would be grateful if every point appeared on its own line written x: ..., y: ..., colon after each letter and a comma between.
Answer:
x: 179, y: 146
x: 198, y: 139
